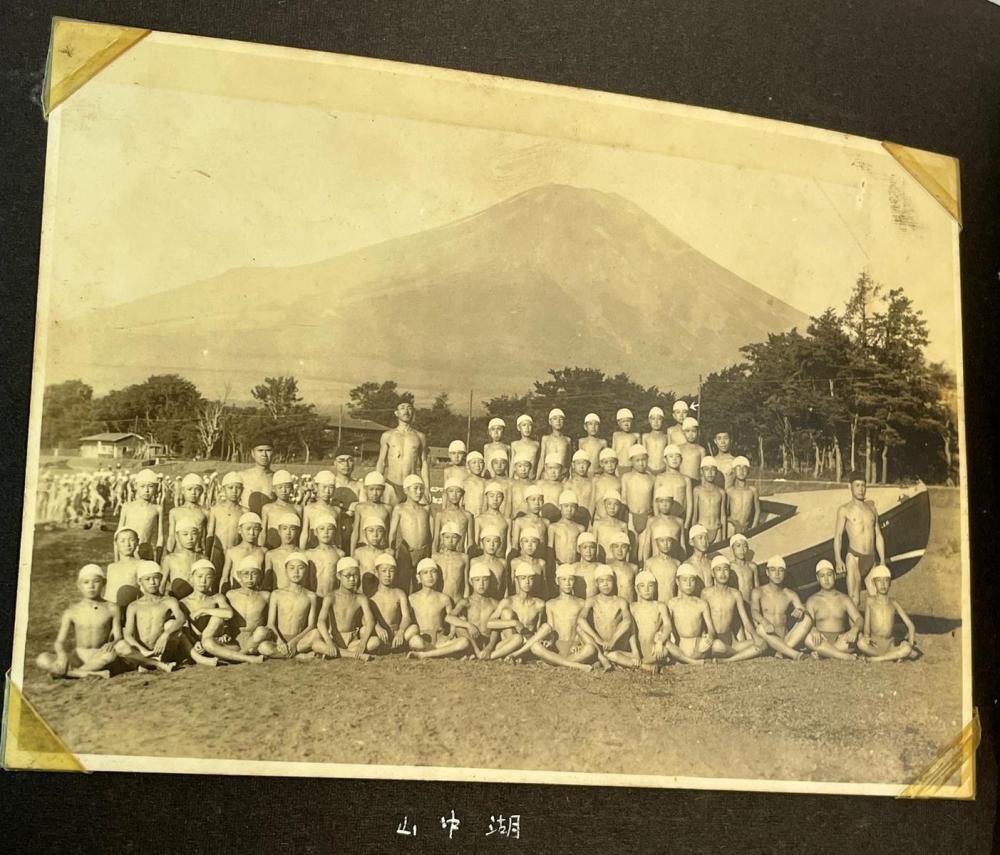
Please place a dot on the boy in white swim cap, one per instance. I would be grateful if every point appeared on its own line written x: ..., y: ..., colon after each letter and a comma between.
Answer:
x: 496, y: 447
x: 691, y: 451
x: 582, y: 485
x: 456, y: 458
x: 692, y: 619
x: 637, y: 490
x: 492, y: 538
x: 625, y: 570
x: 836, y: 621
x: 451, y: 510
x: 652, y: 625
x: 563, y: 533
x: 288, y: 527
x: 154, y: 622
x: 606, y: 480
x: 606, y: 621
x: 283, y: 485
x: 524, y: 448
x: 95, y: 625
x: 374, y: 544
x: 475, y: 483
x: 122, y: 584
x: 323, y: 557
x: 552, y: 485
x: 778, y: 614
x: 735, y: 639
x: 470, y: 616
x: 675, y: 433
x: 430, y: 630
x: 518, y: 617
x: 324, y: 507
x: 410, y: 533
x: 206, y: 636
x: 590, y: 444
x: 586, y: 568
x: 677, y: 485
x: 177, y: 564
x: 698, y: 538
x: 655, y: 440
x: 374, y: 504
x: 742, y: 501
x: 346, y: 622
x: 710, y: 503
x: 145, y: 517
x: 877, y: 641
x: 556, y: 444
x: 532, y: 518
x: 192, y: 488
x: 623, y: 439
x: 452, y: 560
x: 390, y: 607
x: 495, y: 517
x: 610, y: 524
x: 745, y: 570
x: 222, y: 528
x: 248, y: 601
x: 249, y: 527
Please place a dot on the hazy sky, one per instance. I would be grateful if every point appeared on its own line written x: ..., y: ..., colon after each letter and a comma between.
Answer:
x: 163, y: 181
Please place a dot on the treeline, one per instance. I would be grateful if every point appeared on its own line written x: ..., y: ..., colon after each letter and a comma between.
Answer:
x: 853, y: 392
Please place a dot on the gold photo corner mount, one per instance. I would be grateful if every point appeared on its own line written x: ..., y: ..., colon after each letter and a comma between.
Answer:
x: 938, y: 174
x: 958, y: 757
x: 77, y: 51
x: 22, y: 725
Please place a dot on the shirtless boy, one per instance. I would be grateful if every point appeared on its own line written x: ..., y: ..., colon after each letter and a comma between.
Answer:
x: 772, y: 606
x: 742, y: 501
x: 519, y: 485
x: 609, y: 525
x: 390, y: 607
x: 177, y: 565
x: 661, y: 524
x: 675, y: 433
x: 880, y: 614
x: 562, y: 535
x: 624, y: 570
x: 208, y: 615
x: 551, y: 484
x: 430, y: 632
x: 283, y: 486
x: 605, y: 481
x: 692, y: 619
x: 744, y: 569
x: 591, y: 445
x: 606, y: 621
x: 836, y: 620
x: 451, y: 511
x: 324, y: 507
x: 192, y: 489
x: 530, y: 543
x: 249, y: 529
x: 525, y: 447
x: 653, y: 628
x: 374, y: 505
x: 153, y: 623
x: 456, y: 465
x: 724, y: 460
x: 491, y: 539
x: 323, y: 557
x: 735, y: 639
x: 585, y: 584
x: 623, y: 438
x: 500, y: 480
x: 663, y: 565
x: 558, y: 641
x: 410, y: 532
x: 493, y: 517
x: 288, y: 527
x: 454, y: 565
x: 249, y: 602
x: 532, y: 519
x: 346, y: 621
x: 655, y: 440
x: 556, y: 444
x: 123, y: 584
x: 257, y: 490
x: 677, y: 485
x: 475, y: 483
x: 222, y: 530
x: 496, y: 447
x: 291, y: 616
x: 637, y: 490
x: 368, y: 553
x: 582, y: 485
x: 144, y: 516
x: 403, y: 451
x: 517, y: 617
x: 698, y: 536
x: 859, y: 519
x: 691, y: 452
x: 96, y: 627
x: 470, y: 616
x: 710, y: 502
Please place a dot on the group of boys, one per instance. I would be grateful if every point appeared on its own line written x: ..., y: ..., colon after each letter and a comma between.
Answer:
x: 550, y: 562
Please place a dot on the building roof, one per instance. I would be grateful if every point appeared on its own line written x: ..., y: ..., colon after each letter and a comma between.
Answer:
x: 351, y: 423
x: 109, y: 437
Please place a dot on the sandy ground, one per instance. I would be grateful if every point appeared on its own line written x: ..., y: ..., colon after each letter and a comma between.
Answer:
x: 810, y: 720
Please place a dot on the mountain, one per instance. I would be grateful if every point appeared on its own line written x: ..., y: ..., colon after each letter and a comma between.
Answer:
x: 554, y: 276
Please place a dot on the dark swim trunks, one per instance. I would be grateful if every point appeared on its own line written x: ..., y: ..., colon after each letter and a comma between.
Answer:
x: 866, y: 560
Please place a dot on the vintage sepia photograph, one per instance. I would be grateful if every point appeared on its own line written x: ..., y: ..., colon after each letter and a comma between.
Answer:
x: 398, y: 422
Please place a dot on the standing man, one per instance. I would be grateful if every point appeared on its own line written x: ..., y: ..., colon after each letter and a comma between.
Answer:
x: 859, y: 518
x: 257, y: 487
x: 402, y: 451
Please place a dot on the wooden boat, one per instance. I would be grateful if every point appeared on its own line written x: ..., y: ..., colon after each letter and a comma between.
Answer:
x: 791, y: 522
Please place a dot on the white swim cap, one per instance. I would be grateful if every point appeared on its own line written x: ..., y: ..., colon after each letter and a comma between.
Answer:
x: 384, y: 559
x: 565, y: 571
x: 603, y: 570
x: 738, y: 538
x: 824, y: 564
x: 248, y: 562
x: 146, y: 476
x: 776, y: 561
x: 741, y: 461
x: 289, y: 519
x: 232, y: 478
x: 347, y: 563
x: 644, y: 576
x: 555, y: 411
x: 672, y: 448
x: 680, y: 405
x: 495, y: 422
x: 493, y: 487
x: 637, y: 450
x: 580, y: 454
x: 880, y: 571
x: 568, y: 497
x: 687, y: 570
x: 526, y: 568
x: 655, y: 411
x: 689, y: 423
x: 524, y: 418
x: 696, y: 530
x: 456, y: 445
x: 202, y: 564
x: 533, y: 490
x: 374, y: 479
x: 427, y: 564
x: 372, y: 522
x: 325, y: 477
x: 624, y: 413
x: 709, y: 461
x: 148, y: 568
x: 192, y: 479
x: 586, y: 537
x: 480, y: 571
x: 612, y: 495
x: 608, y: 454
x: 248, y: 518
x: 412, y: 481
x: 474, y: 455
x: 720, y: 561
x: 451, y: 527
x: 620, y: 537
x: 591, y: 417
x: 282, y: 476
x: 89, y: 571
x: 553, y: 459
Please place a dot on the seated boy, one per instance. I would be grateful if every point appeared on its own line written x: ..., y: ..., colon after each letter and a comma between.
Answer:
x: 877, y: 642
x: 291, y: 615
x: 653, y: 628
x: 390, y: 606
x: 208, y: 616
x: 558, y: 640
x: 729, y: 616
x: 471, y: 615
x: 96, y: 628
x: 692, y: 619
x: 153, y: 623
x: 429, y: 636
x: 346, y: 620
x: 517, y: 617
x: 772, y: 606
x: 249, y: 603
x: 606, y: 621
x: 836, y: 621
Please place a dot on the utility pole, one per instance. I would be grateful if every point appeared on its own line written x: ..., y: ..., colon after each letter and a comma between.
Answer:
x: 701, y: 415
x: 468, y: 430
x: 340, y: 424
